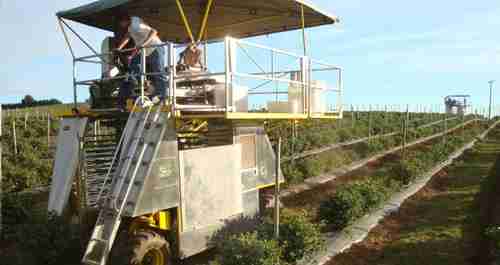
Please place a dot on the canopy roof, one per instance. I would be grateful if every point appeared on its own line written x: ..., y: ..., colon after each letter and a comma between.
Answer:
x: 235, y: 18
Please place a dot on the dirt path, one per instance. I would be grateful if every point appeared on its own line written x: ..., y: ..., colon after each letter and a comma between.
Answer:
x: 435, y: 225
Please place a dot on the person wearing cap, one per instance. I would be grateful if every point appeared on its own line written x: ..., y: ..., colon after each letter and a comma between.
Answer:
x: 144, y: 35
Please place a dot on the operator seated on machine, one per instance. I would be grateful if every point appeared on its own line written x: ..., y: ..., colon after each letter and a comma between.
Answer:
x: 143, y: 35
x: 190, y: 60
x: 199, y: 88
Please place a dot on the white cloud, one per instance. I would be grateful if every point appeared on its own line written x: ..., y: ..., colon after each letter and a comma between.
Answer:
x: 467, y: 28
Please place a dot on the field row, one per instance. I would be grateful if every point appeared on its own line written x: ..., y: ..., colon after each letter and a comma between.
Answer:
x: 454, y: 219
x: 332, y: 206
x: 25, y: 170
x: 28, y: 142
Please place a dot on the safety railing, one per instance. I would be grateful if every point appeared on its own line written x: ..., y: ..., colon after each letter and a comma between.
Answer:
x: 255, y: 82
x: 272, y: 81
x: 278, y: 83
x: 325, y: 98
x: 113, y: 82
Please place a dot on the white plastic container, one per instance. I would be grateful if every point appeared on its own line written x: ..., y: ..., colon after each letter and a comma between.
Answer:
x: 318, y: 101
x: 295, y: 95
x: 277, y: 106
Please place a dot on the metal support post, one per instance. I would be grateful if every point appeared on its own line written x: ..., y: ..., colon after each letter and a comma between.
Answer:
x: 352, y: 116
x: 75, y: 97
x: 48, y: 130
x: 277, y: 191
x: 369, y: 123
x: 172, y: 74
x: 386, y: 117
x: 491, y: 91
x: 14, y: 135
x: 445, y: 121
x: 463, y: 127
x: 228, y: 74
x: 306, y: 81
x: 340, y: 123
x: 304, y: 37
x: 405, y: 131
x: 1, y: 123
x: 143, y: 73
x: 66, y: 38
x: 340, y: 85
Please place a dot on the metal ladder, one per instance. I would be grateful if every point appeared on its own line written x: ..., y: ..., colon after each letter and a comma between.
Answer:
x: 124, y: 183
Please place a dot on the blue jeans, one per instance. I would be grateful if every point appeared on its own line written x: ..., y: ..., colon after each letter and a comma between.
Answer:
x: 155, y: 63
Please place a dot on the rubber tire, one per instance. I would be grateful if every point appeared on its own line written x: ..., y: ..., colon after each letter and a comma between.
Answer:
x: 131, y: 249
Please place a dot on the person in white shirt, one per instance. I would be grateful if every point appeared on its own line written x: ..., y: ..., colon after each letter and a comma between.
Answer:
x: 145, y: 36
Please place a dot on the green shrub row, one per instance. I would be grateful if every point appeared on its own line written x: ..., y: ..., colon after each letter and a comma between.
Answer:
x: 298, y: 170
x: 353, y: 200
x: 492, y: 233
x: 315, y: 133
x: 488, y: 217
x: 32, y: 165
x: 299, y: 239
x: 248, y: 249
x: 43, y: 240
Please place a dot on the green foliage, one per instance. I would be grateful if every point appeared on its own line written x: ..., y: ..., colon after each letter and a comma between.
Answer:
x: 248, y: 249
x: 493, y: 233
x: 29, y: 101
x: 310, y: 167
x: 362, y: 149
x: 333, y: 159
x: 343, y: 134
x: 45, y: 241
x: 31, y: 166
x: 372, y: 192
x: 299, y: 237
x: 352, y: 201
x: 312, y: 134
x: 299, y: 240
x: 16, y: 210
x: 376, y: 145
x: 324, y: 163
x: 489, y: 217
x: 406, y: 171
x: 292, y: 173
x: 341, y: 209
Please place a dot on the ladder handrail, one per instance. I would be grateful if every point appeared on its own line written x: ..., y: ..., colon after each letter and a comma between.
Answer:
x: 134, y: 148
x: 117, y: 151
x: 124, y: 186
x: 129, y: 165
x: 134, y: 175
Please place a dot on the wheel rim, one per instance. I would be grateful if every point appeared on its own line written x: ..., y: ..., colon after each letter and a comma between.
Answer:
x: 154, y: 257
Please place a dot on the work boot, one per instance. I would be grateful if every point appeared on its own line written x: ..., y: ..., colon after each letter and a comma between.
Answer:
x: 157, y: 100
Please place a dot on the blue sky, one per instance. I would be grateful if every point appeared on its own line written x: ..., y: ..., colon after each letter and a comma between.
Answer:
x: 393, y: 52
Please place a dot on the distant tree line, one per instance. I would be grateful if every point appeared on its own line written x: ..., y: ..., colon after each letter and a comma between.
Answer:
x: 29, y: 101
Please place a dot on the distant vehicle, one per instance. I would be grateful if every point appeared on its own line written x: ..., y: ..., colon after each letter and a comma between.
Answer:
x: 457, y: 104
